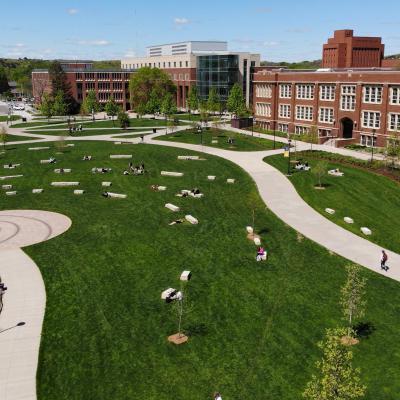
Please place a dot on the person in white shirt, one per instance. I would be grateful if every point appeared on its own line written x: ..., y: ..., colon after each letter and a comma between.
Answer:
x: 217, y: 396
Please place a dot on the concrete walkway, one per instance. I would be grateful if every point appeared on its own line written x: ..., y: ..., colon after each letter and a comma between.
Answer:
x: 24, y: 300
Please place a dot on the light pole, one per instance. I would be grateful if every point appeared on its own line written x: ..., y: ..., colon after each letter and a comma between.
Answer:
x: 288, y: 166
x: 275, y: 134
x: 373, y: 140
x: 252, y: 126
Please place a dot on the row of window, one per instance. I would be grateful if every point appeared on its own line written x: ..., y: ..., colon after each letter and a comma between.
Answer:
x: 165, y: 64
x: 101, y: 76
x: 180, y: 77
x: 372, y: 94
x: 369, y: 119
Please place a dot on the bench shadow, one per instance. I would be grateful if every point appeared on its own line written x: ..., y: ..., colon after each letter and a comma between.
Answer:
x: 364, y: 330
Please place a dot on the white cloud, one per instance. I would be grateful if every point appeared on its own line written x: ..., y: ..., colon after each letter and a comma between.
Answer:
x: 181, y: 21
x: 72, y: 11
x: 101, y: 42
x: 130, y: 53
x: 19, y: 45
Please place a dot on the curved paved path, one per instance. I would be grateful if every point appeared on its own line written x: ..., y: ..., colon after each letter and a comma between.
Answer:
x: 24, y: 300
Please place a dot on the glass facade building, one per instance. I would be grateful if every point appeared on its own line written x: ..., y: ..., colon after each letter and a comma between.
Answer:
x: 218, y: 71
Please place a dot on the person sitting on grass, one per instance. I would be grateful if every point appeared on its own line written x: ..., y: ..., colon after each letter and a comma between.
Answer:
x: 177, y: 221
x: 154, y: 187
x: 105, y: 194
x: 126, y: 172
x: 86, y: 158
x: 62, y: 170
x: 195, y: 191
x: 260, y: 253
x: 52, y: 160
x: 217, y: 396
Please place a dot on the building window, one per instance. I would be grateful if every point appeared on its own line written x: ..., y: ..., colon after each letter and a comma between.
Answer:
x: 264, y: 91
x: 263, y: 109
x: 327, y: 92
x: 284, y: 110
x: 371, y: 119
x: 186, y: 77
x: 372, y: 94
x: 304, y: 113
x: 325, y: 115
x: 283, y: 128
x: 367, y: 140
x: 301, y: 130
x: 305, y: 92
x: 348, y: 98
x: 285, y: 91
x: 395, y: 95
x: 324, y: 132
x: 394, y: 122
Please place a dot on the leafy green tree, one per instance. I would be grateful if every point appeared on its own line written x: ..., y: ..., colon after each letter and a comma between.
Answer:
x: 168, y: 106
x: 153, y: 106
x: 320, y: 170
x: 236, y: 103
x: 112, y: 108
x: 123, y: 119
x: 46, y: 106
x: 353, y: 293
x: 90, y: 103
x: 3, y: 81
x: 193, y: 99
x: 59, y: 83
x: 145, y: 83
x: 60, y: 107
x: 3, y: 137
x: 336, y: 378
x: 213, y: 101
x: 311, y: 136
x: 203, y: 111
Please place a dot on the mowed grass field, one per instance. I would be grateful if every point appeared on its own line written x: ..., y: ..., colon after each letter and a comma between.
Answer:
x: 241, y: 142
x: 253, y: 326
x: 371, y: 200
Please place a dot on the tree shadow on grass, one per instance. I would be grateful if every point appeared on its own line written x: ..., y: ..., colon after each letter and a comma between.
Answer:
x: 364, y: 330
x: 199, y: 329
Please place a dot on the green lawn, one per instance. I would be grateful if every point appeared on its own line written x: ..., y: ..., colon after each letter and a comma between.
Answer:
x: 241, y: 142
x: 38, y: 123
x: 15, y: 138
x: 85, y: 132
x: 193, y: 117
x: 134, y: 123
x: 370, y: 199
x: 253, y: 327
x: 136, y: 135
x: 4, y: 118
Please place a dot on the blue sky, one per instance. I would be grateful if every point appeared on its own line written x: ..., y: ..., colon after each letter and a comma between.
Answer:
x: 111, y: 29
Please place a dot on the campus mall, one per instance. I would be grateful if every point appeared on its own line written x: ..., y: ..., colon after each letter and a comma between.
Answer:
x: 353, y: 99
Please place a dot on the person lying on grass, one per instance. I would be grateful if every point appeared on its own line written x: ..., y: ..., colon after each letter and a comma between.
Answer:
x: 260, y: 253
x: 177, y: 221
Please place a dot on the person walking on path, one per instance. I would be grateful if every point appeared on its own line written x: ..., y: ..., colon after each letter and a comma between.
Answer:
x: 384, y: 259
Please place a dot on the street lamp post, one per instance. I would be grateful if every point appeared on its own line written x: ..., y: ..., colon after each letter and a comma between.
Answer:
x: 12, y: 327
x: 373, y: 140
x: 274, y: 135
x: 93, y: 114
x: 288, y: 167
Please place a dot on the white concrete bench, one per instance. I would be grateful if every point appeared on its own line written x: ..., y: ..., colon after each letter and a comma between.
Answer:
x: 117, y: 195
x: 191, y: 219
x: 47, y: 161
x: 366, y: 231
x: 211, y: 177
x: 6, y: 187
x: 214, y: 141
x: 61, y: 184
x: 169, y: 173
x: 161, y: 188
x: 64, y: 170
x: 100, y: 170
x: 348, y: 220
x: 196, y: 195
x: 13, y: 193
x: 37, y: 191
x: 12, y: 166
x: 262, y: 257
x: 330, y: 210
x: 79, y: 191
x: 38, y: 148
x: 106, y: 184
x: 257, y: 241
x: 70, y: 145
x: 188, y: 157
x: 172, y: 207
x: 121, y: 156
x: 117, y: 142
x: 333, y: 172
x: 2, y: 178
x: 230, y: 180
x: 249, y: 229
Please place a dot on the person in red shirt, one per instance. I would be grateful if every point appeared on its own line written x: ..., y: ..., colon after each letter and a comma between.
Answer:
x: 384, y: 259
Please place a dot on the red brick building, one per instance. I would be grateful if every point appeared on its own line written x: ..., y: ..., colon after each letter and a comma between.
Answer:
x: 105, y: 83
x: 350, y: 106
x: 345, y: 50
